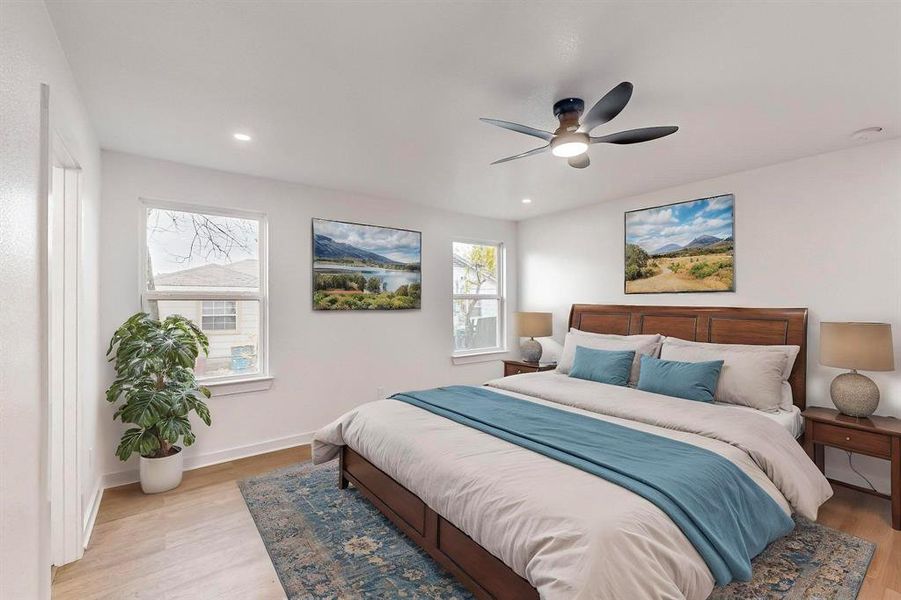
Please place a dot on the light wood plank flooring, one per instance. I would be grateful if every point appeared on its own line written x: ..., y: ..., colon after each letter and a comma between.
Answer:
x: 199, y: 542
x: 196, y: 542
x: 870, y: 518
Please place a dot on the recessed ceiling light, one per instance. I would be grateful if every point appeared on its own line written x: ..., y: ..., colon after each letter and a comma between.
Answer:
x: 242, y: 137
x: 526, y: 200
x: 868, y: 133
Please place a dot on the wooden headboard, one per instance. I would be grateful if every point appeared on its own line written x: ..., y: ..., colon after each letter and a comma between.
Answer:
x: 717, y: 324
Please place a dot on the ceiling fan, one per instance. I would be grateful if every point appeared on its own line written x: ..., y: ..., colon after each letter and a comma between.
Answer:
x: 572, y: 138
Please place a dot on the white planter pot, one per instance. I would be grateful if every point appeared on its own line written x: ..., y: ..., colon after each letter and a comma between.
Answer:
x: 161, y: 474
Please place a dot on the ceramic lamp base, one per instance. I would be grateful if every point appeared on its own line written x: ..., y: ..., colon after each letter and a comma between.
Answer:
x: 854, y: 394
x: 530, y: 350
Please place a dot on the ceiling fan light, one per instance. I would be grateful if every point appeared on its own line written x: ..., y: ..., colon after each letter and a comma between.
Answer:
x: 567, y: 145
x: 569, y: 149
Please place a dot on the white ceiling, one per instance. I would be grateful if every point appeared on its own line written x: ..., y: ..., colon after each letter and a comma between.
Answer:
x: 384, y: 98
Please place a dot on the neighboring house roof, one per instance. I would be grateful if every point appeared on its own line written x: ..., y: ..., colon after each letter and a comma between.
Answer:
x: 461, y: 262
x: 244, y: 273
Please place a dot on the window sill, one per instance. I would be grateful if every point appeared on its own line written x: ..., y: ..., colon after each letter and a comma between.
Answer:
x: 478, y: 357
x: 238, y: 386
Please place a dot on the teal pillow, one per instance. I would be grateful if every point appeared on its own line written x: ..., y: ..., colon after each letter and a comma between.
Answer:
x: 603, y: 366
x: 689, y: 380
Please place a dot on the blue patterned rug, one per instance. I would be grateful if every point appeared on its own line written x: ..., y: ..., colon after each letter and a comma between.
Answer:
x: 331, y: 543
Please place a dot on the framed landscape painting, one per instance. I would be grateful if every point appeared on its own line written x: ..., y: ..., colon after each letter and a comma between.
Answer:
x: 682, y: 247
x: 365, y: 267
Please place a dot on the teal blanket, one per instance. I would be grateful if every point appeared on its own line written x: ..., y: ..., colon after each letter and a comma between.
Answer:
x: 727, y: 517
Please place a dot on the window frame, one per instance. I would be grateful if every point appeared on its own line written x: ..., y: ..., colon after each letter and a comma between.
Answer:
x: 500, y: 295
x: 261, y: 296
x: 214, y: 331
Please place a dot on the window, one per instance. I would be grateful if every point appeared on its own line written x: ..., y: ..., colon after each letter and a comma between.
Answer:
x: 209, y: 265
x: 478, y: 297
x: 219, y: 315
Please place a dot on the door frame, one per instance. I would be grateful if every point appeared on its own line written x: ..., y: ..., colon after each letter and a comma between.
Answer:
x: 64, y: 279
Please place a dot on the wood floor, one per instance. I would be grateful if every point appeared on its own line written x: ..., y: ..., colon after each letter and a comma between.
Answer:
x: 199, y: 542
x: 869, y: 517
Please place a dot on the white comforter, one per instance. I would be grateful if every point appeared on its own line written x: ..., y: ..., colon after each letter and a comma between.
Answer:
x: 571, y: 534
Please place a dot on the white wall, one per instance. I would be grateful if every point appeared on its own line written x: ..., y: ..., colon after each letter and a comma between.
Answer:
x: 30, y: 55
x: 324, y: 363
x: 822, y: 232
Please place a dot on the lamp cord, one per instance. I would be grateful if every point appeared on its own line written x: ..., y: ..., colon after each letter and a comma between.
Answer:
x: 859, y: 474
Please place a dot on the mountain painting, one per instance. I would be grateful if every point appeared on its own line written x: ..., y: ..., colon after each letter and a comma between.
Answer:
x: 365, y: 267
x: 683, y: 247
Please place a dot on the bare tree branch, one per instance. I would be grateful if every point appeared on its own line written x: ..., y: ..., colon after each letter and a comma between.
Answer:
x: 215, y: 238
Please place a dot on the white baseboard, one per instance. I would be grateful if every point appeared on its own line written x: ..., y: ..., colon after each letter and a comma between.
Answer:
x: 90, y: 516
x: 214, y: 458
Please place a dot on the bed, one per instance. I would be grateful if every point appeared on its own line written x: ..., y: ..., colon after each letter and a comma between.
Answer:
x: 510, y: 523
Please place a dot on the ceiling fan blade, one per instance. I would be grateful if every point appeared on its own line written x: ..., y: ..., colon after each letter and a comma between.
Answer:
x: 579, y: 162
x: 607, y: 107
x: 545, y: 135
x: 523, y: 155
x: 635, y: 136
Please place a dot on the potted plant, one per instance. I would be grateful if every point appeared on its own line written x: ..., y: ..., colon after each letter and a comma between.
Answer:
x: 154, y: 363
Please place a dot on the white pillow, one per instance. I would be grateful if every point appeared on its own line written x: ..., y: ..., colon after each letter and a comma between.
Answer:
x: 788, y: 397
x: 641, y: 344
x: 751, y: 376
x: 791, y: 352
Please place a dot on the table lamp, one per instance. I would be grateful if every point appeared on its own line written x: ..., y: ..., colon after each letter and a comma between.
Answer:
x: 532, y: 325
x: 864, y: 346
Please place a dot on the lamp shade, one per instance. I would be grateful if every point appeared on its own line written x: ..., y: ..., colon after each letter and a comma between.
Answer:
x: 534, y: 324
x: 863, y: 346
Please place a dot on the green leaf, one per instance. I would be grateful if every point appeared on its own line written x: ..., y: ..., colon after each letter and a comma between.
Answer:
x: 202, y: 410
x: 144, y: 407
x: 138, y: 440
x: 112, y: 394
x: 149, y: 444
x: 189, y: 439
x: 174, y: 427
x: 129, y: 442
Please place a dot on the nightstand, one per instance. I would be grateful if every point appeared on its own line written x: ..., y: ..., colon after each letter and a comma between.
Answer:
x: 518, y: 367
x: 879, y: 437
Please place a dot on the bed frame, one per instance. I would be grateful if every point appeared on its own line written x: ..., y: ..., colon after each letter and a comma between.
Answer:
x: 481, y: 572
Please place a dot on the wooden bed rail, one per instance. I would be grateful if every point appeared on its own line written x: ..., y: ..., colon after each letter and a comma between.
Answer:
x: 481, y: 572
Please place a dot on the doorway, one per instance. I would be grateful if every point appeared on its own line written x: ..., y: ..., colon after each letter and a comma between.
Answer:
x: 63, y: 300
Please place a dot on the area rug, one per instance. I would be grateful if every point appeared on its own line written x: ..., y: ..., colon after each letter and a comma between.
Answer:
x: 331, y: 543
